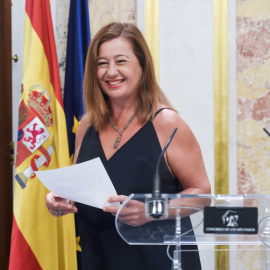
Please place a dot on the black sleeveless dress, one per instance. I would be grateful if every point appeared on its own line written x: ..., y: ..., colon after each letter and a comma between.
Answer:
x: 131, y: 170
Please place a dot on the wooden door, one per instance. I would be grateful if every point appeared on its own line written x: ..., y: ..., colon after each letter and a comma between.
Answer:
x: 6, y: 191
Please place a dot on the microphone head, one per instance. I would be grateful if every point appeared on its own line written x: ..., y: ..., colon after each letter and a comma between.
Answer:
x: 156, y: 208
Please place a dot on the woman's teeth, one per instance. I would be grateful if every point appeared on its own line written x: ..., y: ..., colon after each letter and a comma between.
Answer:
x: 115, y: 82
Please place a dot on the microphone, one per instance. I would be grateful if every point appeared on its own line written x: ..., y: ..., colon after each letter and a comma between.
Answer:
x: 267, y: 132
x: 158, y: 207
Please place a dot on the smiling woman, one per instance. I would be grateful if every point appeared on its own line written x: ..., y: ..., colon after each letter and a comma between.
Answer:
x: 119, y: 71
x: 127, y: 123
x: 135, y: 49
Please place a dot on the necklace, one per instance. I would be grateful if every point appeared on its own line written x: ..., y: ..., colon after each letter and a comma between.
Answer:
x: 120, y: 131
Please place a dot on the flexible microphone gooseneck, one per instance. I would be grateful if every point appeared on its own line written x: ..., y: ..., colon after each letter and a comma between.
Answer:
x: 267, y: 132
x: 156, y: 189
x: 157, y: 207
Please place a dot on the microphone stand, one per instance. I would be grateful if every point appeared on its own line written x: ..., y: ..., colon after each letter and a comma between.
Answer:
x: 157, y: 207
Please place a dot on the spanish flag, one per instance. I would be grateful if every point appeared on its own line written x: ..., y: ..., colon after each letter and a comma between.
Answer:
x: 40, y: 241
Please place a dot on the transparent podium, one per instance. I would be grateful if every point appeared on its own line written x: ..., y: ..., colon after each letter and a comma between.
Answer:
x: 182, y: 222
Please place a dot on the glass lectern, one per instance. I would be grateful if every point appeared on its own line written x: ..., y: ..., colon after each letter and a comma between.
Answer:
x: 233, y: 221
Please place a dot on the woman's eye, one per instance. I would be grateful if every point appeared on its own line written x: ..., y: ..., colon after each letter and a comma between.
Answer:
x: 102, y: 63
x: 121, y: 61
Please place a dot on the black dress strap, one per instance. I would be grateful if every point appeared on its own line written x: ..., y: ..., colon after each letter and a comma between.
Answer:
x: 161, y: 109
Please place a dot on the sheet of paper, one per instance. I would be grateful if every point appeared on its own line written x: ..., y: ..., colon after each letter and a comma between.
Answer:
x: 86, y: 182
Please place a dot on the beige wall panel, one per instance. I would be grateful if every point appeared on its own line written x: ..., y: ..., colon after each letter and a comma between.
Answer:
x: 103, y: 12
x: 61, y: 8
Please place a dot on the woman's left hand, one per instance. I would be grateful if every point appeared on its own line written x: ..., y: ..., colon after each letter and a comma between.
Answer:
x: 132, y: 214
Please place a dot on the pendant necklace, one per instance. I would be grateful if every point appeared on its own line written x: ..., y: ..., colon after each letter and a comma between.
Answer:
x: 120, y: 131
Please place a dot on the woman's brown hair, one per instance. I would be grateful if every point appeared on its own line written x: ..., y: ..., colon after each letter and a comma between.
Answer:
x: 149, y: 93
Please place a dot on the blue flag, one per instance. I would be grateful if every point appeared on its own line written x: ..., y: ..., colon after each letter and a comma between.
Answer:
x: 77, y: 45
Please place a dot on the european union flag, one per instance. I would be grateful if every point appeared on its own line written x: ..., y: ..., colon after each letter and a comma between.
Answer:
x: 77, y: 45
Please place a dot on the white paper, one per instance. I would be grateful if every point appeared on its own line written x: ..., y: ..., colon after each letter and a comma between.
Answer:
x: 86, y: 183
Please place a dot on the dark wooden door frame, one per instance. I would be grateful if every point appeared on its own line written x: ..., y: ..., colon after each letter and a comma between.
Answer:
x: 6, y: 181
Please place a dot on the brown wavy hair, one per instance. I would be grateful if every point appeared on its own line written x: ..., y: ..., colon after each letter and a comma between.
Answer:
x: 149, y: 93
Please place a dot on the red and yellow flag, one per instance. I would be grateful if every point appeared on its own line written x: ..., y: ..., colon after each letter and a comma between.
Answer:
x: 40, y: 241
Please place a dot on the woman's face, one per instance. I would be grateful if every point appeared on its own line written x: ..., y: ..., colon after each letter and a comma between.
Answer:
x: 118, y: 70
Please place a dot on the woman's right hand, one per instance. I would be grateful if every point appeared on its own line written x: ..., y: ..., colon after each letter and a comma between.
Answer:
x: 58, y: 206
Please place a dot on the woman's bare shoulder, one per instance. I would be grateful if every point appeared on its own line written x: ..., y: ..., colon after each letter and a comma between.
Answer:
x: 84, y: 124
x: 166, y: 122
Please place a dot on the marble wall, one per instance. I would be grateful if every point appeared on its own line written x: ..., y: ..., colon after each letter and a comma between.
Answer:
x: 253, y: 90
x: 103, y: 12
x: 60, y: 32
x: 253, y: 106
x: 186, y: 45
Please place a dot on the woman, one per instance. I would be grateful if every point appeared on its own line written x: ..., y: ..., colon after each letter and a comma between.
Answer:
x: 127, y: 123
